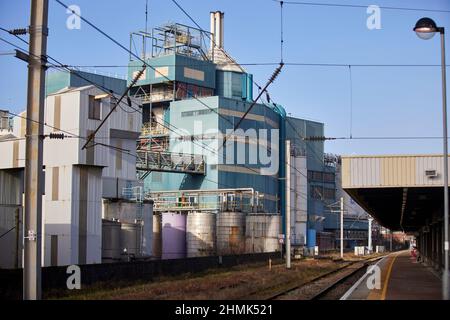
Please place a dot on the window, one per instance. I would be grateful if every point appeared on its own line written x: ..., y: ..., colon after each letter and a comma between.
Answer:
x: 328, y: 193
x: 322, y: 193
x: 94, y: 108
x: 328, y: 177
x: 315, y: 192
x: 315, y: 175
x: 321, y: 176
x: 196, y: 112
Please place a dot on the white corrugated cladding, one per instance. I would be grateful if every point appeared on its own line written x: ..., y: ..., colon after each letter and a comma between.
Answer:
x: 391, y: 171
x: 87, y: 198
x: 58, y: 213
x: 62, y: 112
x: 126, y: 167
x: 299, y: 202
x: 11, y: 188
x: 12, y: 154
x: 73, y: 177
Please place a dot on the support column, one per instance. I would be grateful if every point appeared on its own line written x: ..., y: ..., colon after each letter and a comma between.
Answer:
x: 33, y: 153
x: 288, y: 204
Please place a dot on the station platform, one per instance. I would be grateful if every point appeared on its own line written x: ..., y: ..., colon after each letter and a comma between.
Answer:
x: 401, y: 277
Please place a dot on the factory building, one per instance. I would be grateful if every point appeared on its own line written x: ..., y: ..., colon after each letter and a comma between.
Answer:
x: 169, y: 177
x: 193, y: 95
x: 356, y: 223
x: 82, y: 186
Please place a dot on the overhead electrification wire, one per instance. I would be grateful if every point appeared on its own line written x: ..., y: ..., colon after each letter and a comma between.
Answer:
x: 143, y: 61
x: 4, y: 234
x: 61, y: 66
x: 351, y: 99
x: 281, y: 31
x: 134, y: 55
x: 98, y: 86
x: 133, y: 82
x: 359, y: 6
x: 66, y: 67
x: 15, y: 35
x: 293, y: 64
x: 375, y: 138
x: 271, y: 80
x: 86, y: 138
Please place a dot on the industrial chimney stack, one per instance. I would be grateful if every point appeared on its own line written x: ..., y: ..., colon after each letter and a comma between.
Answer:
x: 217, y: 29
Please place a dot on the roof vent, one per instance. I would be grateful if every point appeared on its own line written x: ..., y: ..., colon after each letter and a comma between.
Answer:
x: 431, y: 173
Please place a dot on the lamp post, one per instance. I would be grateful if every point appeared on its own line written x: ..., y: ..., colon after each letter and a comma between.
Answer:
x: 425, y: 29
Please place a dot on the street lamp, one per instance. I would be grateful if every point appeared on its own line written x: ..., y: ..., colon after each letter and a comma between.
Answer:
x: 425, y: 29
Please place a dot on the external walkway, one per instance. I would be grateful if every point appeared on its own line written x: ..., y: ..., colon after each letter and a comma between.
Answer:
x: 401, y: 278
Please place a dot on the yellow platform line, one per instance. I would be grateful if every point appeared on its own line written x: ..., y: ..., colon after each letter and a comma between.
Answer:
x: 386, y: 280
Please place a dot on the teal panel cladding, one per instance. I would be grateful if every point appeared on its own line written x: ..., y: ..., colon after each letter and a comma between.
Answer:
x: 175, y: 68
x: 56, y: 81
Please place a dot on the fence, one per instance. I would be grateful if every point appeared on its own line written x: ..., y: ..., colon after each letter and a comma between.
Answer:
x: 54, y: 278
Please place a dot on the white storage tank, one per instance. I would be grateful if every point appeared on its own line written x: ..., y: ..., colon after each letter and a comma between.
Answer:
x: 230, y: 232
x: 133, y: 212
x: 111, y: 251
x: 201, y: 234
x: 157, y: 236
x: 131, y: 240
x: 262, y: 232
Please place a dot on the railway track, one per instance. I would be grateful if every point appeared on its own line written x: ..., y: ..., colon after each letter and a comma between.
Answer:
x: 319, y: 287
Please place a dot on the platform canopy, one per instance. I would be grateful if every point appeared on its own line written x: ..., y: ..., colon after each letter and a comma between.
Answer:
x: 402, y: 192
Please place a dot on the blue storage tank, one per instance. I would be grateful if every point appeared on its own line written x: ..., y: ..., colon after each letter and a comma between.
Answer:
x: 311, y: 238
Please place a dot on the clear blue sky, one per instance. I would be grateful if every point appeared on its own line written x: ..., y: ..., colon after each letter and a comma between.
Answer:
x: 387, y: 101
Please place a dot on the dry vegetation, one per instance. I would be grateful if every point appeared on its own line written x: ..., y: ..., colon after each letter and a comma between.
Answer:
x: 254, y: 281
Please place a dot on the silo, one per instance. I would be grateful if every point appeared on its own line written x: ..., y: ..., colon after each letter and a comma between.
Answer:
x: 230, y: 231
x: 173, y: 236
x: 201, y: 234
x: 157, y: 236
x: 130, y: 239
x: 111, y: 248
x: 262, y: 232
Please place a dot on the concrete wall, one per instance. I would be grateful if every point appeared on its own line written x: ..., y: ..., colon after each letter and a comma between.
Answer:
x: 55, y: 277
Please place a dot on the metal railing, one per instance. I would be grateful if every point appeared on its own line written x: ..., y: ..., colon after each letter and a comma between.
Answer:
x: 156, y: 96
x: 244, y: 200
x: 170, y: 162
x: 149, y: 129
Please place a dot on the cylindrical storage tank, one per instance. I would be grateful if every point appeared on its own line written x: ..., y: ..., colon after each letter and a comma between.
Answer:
x: 111, y: 248
x: 230, y: 232
x: 173, y: 236
x: 130, y: 239
x: 201, y: 234
x: 262, y: 232
x: 157, y: 236
x: 311, y: 238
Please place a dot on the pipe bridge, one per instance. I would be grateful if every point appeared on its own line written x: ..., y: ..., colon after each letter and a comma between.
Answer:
x: 148, y: 161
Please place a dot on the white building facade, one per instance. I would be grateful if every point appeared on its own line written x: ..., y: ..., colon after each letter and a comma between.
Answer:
x: 76, y: 179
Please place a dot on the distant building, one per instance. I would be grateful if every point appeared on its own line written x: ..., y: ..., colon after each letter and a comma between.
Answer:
x: 5, y: 124
x: 194, y: 91
x: 76, y: 179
